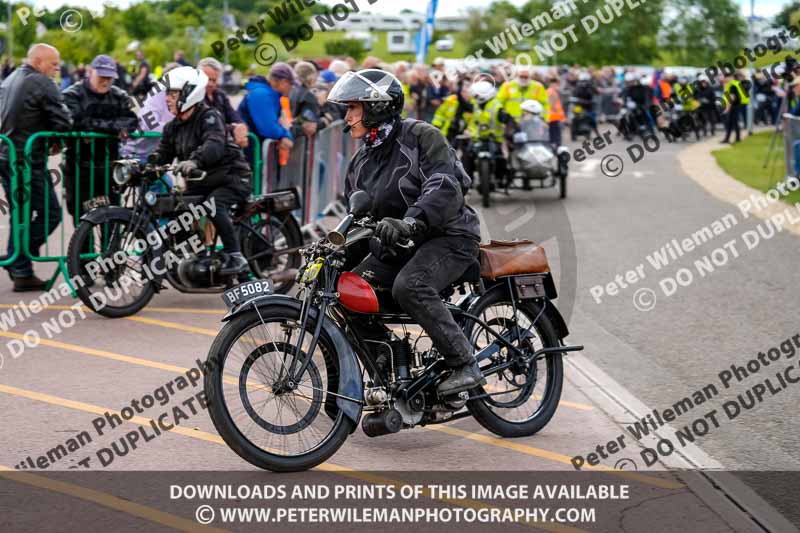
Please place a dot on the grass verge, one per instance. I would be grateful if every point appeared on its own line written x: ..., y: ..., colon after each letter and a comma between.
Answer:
x: 744, y: 161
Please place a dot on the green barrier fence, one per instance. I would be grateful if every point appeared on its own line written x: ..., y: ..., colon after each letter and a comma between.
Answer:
x: 51, y: 219
x: 13, y: 206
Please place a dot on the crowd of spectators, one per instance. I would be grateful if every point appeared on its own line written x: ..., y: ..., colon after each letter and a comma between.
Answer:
x: 290, y: 101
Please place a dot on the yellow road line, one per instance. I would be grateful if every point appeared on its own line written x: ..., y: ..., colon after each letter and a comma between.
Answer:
x: 201, y: 435
x: 474, y: 436
x: 579, y: 406
x: 213, y: 333
x: 99, y: 353
x: 557, y: 457
x: 191, y: 310
x: 95, y: 409
x: 173, y: 325
x: 106, y: 500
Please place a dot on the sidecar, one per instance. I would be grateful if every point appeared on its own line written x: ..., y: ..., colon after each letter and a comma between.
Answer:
x: 533, y: 160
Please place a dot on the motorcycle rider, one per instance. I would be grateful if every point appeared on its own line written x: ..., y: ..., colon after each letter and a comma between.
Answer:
x: 708, y: 106
x: 417, y: 186
x: 513, y: 92
x: 683, y: 93
x: 452, y: 116
x: 639, y: 94
x: 585, y: 91
x: 487, y: 121
x: 198, y: 138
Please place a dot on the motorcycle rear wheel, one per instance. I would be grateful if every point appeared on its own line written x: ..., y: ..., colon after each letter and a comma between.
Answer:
x: 238, y: 398
x: 505, y: 413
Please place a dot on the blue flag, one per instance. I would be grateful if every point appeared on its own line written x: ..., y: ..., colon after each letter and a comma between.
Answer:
x: 426, y: 32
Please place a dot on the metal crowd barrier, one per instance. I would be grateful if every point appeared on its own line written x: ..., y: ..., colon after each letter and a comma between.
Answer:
x: 54, y: 215
x: 316, y: 166
x: 13, y: 204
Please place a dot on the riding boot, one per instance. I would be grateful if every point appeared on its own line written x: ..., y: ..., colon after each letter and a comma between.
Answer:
x: 465, y: 377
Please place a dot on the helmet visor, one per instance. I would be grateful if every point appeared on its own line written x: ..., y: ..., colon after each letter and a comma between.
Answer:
x: 352, y: 87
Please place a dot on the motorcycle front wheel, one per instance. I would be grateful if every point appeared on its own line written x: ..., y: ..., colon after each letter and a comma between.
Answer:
x: 103, y: 290
x: 522, y: 398
x: 270, y: 422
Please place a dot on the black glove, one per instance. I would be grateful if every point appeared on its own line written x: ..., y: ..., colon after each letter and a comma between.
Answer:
x: 391, y: 230
x: 186, y: 167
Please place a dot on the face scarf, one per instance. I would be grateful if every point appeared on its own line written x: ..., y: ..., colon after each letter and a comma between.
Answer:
x: 377, y: 135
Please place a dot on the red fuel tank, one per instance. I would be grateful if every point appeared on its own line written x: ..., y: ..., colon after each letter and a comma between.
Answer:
x: 356, y: 294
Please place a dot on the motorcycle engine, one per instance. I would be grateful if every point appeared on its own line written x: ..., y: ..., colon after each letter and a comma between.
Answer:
x: 200, y: 272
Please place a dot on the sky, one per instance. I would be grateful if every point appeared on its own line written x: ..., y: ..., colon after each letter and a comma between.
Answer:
x: 763, y: 8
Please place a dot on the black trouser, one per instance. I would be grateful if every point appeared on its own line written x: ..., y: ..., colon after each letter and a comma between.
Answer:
x: 41, y: 189
x: 224, y: 197
x: 555, y: 133
x: 709, y: 115
x: 416, y: 285
x: 732, y: 121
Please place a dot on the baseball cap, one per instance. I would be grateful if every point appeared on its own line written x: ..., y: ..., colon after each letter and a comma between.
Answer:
x: 282, y: 71
x: 105, y: 66
x: 327, y: 76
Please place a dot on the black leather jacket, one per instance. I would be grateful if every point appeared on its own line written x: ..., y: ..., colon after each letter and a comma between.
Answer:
x: 415, y: 173
x: 110, y: 113
x: 30, y: 102
x: 203, y: 138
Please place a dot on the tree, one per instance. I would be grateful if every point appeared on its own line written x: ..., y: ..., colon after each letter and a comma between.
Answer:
x: 784, y: 17
x: 700, y: 31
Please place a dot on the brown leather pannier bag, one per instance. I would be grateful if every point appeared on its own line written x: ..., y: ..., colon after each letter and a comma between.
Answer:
x: 507, y: 258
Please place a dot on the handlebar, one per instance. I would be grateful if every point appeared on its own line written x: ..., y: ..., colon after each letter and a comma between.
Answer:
x: 195, y: 175
x: 338, y: 235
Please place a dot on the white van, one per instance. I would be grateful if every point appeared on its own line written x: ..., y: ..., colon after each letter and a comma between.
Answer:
x: 399, y: 42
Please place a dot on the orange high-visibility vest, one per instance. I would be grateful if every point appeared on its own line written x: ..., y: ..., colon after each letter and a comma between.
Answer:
x: 666, y: 89
x: 283, y: 153
x: 556, y: 111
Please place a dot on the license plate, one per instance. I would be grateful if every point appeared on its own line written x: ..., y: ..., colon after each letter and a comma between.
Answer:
x: 246, y: 291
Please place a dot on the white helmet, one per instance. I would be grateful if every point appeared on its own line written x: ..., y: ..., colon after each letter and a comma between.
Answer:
x: 191, y: 82
x: 532, y: 106
x: 630, y: 76
x: 483, y: 91
x: 584, y: 76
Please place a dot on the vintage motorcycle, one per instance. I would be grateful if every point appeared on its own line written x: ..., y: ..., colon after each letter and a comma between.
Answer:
x: 285, y: 376
x: 270, y: 240
x: 581, y: 124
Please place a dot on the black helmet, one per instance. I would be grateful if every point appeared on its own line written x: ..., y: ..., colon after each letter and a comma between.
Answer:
x: 379, y: 91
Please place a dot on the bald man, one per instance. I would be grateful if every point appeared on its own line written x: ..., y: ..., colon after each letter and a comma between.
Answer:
x: 29, y: 103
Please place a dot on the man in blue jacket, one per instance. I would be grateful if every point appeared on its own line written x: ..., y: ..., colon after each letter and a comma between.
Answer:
x: 261, y: 108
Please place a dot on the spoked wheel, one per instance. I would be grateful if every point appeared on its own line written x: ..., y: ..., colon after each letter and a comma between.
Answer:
x: 523, y: 397
x: 269, y: 419
x: 274, y: 250
x: 123, y: 288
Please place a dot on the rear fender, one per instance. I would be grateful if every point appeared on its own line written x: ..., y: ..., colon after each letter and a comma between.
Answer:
x: 550, y: 310
x: 350, y: 383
